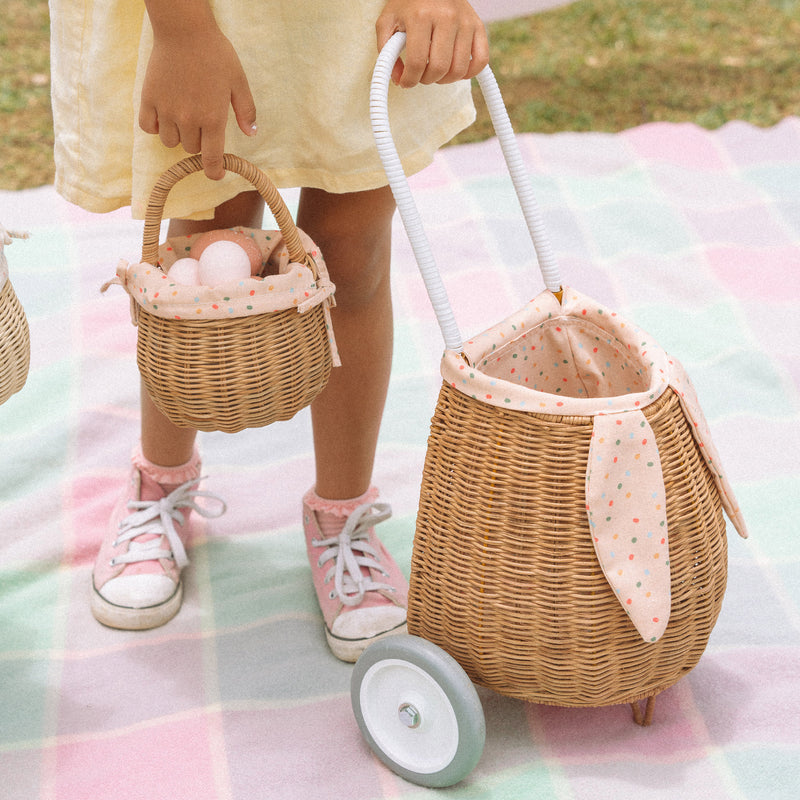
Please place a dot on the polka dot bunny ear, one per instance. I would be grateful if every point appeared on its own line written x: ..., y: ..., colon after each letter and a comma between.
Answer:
x: 627, y: 508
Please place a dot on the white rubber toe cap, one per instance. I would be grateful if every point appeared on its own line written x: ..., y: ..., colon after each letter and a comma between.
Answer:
x: 138, y: 591
x: 364, y: 623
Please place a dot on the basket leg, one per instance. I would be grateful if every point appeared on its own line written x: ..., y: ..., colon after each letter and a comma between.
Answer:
x: 646, y: 718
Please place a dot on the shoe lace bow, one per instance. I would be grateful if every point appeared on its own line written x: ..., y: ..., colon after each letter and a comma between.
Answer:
x: 158, y: 517
x: 354, y: 556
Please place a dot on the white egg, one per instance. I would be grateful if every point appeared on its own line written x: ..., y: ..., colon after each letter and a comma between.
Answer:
x: 185, y: 271
x: 223, y: 262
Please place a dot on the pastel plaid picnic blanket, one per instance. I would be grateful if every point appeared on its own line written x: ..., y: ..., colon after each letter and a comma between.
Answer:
x: 693, y: 234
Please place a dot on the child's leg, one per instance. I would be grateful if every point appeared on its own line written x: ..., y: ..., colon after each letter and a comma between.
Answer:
x: 353, y: 231
x: 361, y: 591
x: 136, y: 578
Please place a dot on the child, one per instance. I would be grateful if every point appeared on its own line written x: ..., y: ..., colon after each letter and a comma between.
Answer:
x: 305, y: 65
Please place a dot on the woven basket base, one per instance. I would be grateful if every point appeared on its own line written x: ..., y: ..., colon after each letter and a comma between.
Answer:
x: 231, y: 374
x: 15, y: 344
x: 504, y: 575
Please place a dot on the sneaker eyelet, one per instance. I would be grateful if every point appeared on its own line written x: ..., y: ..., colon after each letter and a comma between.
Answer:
x: 332, y: 596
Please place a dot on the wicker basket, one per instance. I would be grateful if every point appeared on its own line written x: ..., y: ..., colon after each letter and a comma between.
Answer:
x: 504, y: 574
x: 515, y: 571
x: 15, y: 344
x: 235, y: 372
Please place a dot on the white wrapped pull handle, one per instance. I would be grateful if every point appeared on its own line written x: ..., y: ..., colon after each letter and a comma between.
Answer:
x: 379, y: 113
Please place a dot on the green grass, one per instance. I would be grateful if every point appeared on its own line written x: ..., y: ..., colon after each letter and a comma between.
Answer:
x: 592, y: 65
x: 26, y: 124
x: 614, y: 64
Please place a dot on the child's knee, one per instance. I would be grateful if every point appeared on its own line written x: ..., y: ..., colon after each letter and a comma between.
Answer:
x: 353, y: 231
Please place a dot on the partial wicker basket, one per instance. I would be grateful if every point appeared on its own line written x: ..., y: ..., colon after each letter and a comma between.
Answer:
x: 15, y: 343
x: 234, y: 372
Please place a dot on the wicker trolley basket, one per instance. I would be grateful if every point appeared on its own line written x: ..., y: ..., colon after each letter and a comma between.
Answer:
x: 239, y: 355
x: 15, y: 343
x: 570, y: 546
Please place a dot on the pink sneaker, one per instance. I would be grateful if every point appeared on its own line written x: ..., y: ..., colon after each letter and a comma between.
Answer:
x: 136, y: 580
x: 361, y: 591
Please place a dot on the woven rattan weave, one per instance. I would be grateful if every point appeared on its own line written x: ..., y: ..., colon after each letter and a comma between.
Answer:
x: 240, y: 372
x: 15, y: 344
x: 504, y: 576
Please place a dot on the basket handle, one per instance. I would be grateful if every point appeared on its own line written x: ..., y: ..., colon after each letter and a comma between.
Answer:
x: 266, y: 188
x: 407, y: 208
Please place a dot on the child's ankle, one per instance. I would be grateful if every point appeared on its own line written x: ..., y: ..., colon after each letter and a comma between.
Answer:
x: 169, y: 478
x: 332, y: 514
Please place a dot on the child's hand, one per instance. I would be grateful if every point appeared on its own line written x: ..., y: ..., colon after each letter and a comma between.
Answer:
x: 446, y: 40
x: 193, y: 77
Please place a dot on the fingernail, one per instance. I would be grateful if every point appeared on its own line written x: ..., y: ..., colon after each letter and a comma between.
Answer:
x: 253, y: 130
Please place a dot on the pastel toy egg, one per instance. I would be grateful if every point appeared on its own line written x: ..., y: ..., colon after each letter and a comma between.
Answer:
x: 223, y: 262
x: 244, y: 241
x: 185, y: 271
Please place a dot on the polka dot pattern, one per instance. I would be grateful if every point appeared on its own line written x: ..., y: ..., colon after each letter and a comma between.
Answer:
x: 627, y: 510
x: 286, y: 285
x: 576, y: 357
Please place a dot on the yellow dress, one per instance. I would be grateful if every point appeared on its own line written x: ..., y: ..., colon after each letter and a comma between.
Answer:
x: 309, y: 64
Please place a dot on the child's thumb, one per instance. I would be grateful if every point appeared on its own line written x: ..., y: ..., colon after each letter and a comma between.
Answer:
x: 244, y: 108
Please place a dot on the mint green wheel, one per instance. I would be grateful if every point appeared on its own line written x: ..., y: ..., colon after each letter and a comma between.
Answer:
x: 418, y: 711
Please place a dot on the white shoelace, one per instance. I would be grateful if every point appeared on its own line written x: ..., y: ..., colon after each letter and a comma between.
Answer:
x: 350, y: 583
x: 158, y: 517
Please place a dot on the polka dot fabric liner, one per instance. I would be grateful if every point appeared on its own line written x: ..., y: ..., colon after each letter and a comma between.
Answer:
x: 285, y: 285
x: 578, y: 358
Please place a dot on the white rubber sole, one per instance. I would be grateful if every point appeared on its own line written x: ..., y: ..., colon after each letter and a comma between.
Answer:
x: 135, y: 619
x: 350, y: 649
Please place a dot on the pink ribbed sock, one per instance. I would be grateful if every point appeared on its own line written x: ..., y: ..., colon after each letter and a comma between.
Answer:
x: 169, y: 478
x: 332, y: 514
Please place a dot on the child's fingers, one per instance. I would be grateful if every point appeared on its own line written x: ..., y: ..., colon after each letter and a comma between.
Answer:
x: 169, y: 134
x: 385, y: 27
x: 447, y: 58
x: 397, y: 71
x: 212, y: 150
x: 444, y: 43
x: 418, y: 49
x: 470, y: 54
x: 148, y: 119
x: 244, y: 108
x: 461, y: 57
x: 191, y: 140
x: 479, y: 54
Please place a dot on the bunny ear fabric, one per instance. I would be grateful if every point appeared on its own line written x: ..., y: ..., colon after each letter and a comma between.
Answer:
x: 627, y: 510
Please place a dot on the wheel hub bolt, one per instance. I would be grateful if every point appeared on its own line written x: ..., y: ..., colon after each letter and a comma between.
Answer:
x: 409, y: 716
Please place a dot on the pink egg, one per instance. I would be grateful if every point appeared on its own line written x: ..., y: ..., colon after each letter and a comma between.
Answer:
x: 244, y: 241
x: 185, y: 271
x: 223, y: 262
